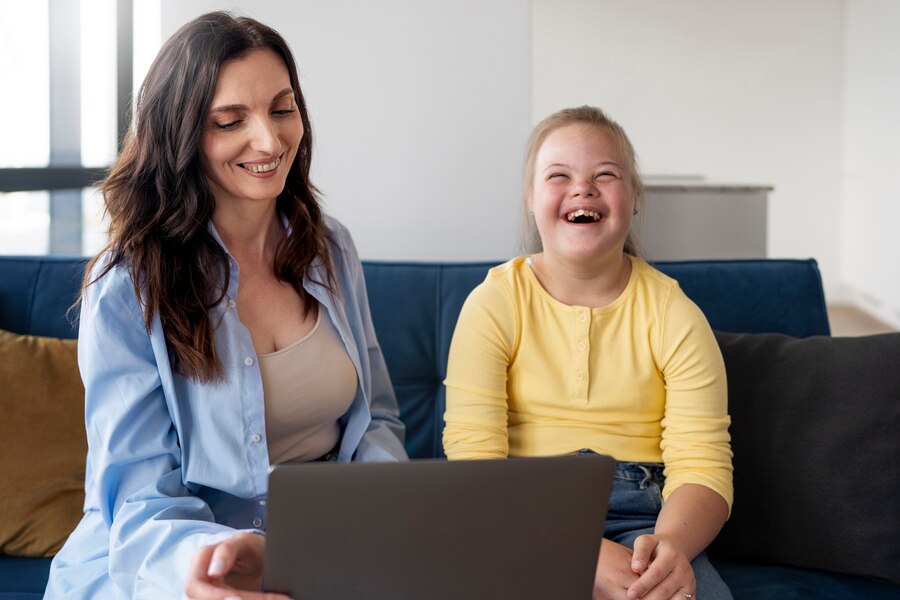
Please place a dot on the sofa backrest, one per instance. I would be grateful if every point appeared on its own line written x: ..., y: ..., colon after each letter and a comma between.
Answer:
x: 415, y: 307
x: 36, y: 293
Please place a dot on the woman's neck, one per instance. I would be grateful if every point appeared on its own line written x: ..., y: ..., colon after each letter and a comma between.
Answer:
x: 250, y: 232
x: 595, y: 285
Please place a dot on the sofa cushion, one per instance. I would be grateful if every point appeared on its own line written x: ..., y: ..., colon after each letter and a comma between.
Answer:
x: 752, y: 581
x: 44, y: 443
x: 815, y: 426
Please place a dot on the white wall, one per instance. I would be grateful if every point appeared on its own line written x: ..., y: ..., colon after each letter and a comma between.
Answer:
x: 420, y: 111
x: 739, y: 92
x: 422, y: 108
x: 870, y: 213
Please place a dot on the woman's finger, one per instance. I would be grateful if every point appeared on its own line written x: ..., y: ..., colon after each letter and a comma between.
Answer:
x: 222, y: 560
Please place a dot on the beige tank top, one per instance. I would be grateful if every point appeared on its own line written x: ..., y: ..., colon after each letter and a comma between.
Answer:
x: 307, y: 386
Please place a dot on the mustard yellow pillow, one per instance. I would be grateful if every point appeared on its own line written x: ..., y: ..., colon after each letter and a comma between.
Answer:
x: 44, y: 443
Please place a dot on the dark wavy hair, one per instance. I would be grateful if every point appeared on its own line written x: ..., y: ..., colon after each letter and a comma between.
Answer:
x: 159, y: 200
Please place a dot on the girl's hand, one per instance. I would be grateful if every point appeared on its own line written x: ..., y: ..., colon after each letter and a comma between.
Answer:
x: 614, y: 575
x: 229, y: 570
x: 663, y: 568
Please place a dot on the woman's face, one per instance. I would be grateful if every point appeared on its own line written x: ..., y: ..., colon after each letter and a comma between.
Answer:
x: 582, y: 199
x: 252, y: 129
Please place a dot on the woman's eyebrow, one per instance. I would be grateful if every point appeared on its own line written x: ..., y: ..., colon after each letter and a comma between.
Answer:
x: 228, y: 108
x: 282, y: 94
x: 243, y: 107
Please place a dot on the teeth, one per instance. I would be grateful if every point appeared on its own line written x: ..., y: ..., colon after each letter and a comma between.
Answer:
x: 263, y: 168
x: 583, y: 212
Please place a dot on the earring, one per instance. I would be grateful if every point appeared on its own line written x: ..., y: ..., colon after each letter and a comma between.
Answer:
x: 635, y: 211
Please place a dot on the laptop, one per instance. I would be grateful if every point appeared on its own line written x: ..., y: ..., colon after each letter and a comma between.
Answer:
x: 524, y: 528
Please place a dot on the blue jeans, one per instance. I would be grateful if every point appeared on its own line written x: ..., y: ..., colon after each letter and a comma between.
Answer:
x: 633, y: 507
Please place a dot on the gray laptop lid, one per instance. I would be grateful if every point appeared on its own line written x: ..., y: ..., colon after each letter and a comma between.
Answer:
x: 432, y: 529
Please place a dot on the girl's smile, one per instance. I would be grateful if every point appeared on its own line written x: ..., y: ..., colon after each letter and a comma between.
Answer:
x: 582, y: 201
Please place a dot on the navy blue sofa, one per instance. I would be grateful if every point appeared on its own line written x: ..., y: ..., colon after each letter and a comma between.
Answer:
x: 414, y: 308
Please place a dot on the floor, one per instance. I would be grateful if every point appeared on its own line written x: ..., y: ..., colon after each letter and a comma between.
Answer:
x: 850, y: 321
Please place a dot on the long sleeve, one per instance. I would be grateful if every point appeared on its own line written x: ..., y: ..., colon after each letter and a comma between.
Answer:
x: 155, y: 522
x: 480, y: 354
x: 695, y: 441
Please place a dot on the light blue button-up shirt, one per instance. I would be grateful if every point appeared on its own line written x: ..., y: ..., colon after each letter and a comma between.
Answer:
x: 174, y: 464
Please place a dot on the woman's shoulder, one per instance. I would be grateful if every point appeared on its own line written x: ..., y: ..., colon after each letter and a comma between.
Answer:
x: 339, y: 241
x: 334, y: 228
x: 110, y: 292
x: 110, y: 276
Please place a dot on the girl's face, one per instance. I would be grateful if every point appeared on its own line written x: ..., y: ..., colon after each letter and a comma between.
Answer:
x: 582, y: 199
x: 252, y: 130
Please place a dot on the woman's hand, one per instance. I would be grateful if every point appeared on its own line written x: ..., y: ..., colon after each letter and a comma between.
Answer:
x: 614, y: 575
x: 229, y: 570
x: 663, y: 568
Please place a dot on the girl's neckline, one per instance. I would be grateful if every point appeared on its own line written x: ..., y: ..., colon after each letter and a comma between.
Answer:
x: 618, y: 301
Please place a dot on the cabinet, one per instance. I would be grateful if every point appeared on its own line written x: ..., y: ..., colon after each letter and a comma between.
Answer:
x: 688, y: 221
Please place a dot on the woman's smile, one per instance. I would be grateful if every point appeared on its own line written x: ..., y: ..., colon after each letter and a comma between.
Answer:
x: 263, y: 168
x: 254, y: 129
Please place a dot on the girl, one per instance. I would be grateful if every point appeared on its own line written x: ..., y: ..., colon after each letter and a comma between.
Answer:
x: 582, y: 346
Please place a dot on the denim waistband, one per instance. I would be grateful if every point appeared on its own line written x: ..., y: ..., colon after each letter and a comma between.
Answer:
x: 635, y: 471
x: 646, y: 473
x: 638, y: 471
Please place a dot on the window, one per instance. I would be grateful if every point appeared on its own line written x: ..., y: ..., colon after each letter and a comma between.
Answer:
x: 25, y: 103
x: 73, y: 88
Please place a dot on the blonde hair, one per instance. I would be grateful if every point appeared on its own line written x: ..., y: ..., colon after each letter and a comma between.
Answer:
x: 588, y: 115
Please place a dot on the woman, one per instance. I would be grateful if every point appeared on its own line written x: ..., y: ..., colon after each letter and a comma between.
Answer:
x: 224, y: 328
x: 584, y: 347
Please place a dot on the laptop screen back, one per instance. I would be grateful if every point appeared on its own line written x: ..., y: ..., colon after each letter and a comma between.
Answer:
x: 433, y: 529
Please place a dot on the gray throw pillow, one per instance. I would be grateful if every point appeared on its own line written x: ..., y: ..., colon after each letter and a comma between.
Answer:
x: 816, y: 438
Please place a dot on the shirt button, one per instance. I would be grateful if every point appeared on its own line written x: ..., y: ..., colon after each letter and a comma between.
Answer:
x: 248, y: 361
x: 257, y: 522
x: 255, y: 438
x: 581, y: 346
x: 582, y: 317
x: 231, y: 303
x: 262, y: 501
x: 579, y: 376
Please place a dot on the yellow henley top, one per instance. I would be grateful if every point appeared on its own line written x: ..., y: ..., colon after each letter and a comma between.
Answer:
x: 641, y: 379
